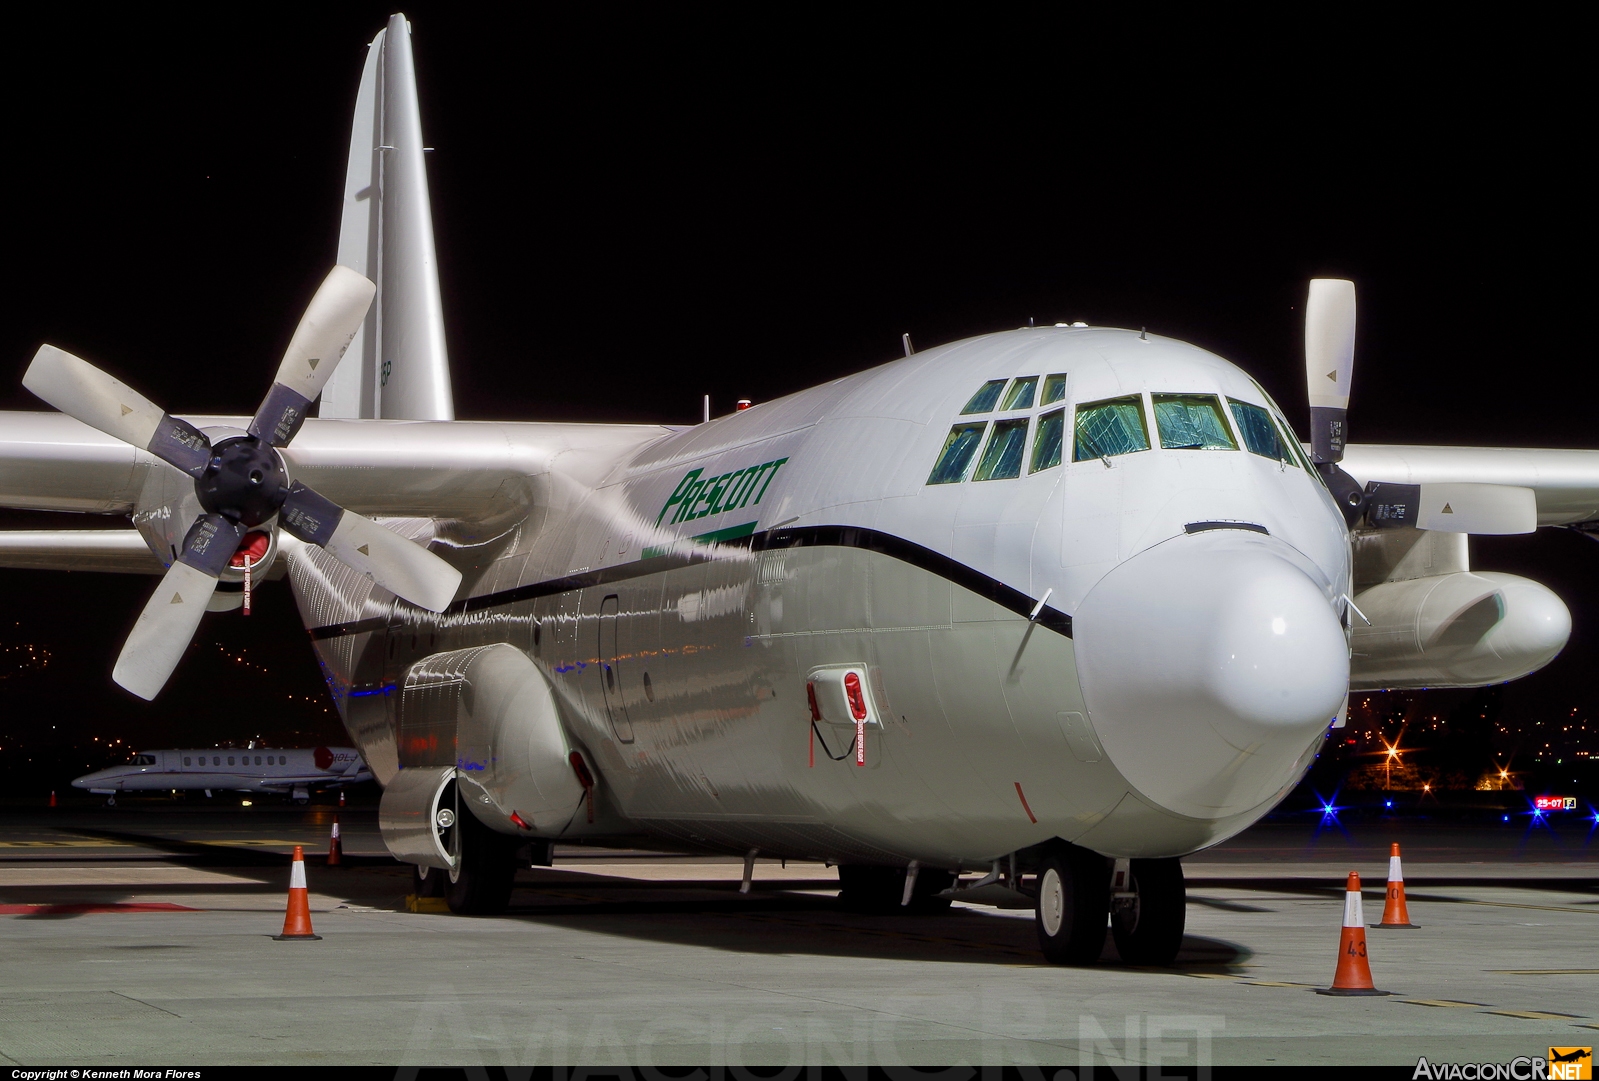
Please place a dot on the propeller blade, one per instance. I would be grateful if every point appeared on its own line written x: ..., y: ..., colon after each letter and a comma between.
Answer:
x: 172, y: 614
x: 396, y: 564
x: 325, y: 331
x: 1329, y: 363
x: 85, y: 393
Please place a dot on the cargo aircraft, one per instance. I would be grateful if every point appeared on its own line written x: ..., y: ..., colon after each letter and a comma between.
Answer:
x: 1061, y: 604
x: 287, y: 771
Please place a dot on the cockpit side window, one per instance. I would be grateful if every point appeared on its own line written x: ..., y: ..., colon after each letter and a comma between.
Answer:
x: 144, y: 760
x: 1191, y: 422
x: 1002, y: 458
x: 1287, y: 435
x: 985, y: 399
x: 1285, y: 432
x: 1021, y: 393
x: 959, y: 448
x: 1047, y: 443
x: 1260, y: 434
x: 1108, y: 428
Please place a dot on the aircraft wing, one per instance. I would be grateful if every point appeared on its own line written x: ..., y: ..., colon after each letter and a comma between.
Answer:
x: 464, y: 471
x: 121, y: 551
x: 1565, y: 483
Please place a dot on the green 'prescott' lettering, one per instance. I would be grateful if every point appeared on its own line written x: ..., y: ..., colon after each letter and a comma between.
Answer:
x: 698, y: 496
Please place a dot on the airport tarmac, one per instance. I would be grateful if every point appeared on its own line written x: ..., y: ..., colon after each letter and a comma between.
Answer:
x: 142, y: 935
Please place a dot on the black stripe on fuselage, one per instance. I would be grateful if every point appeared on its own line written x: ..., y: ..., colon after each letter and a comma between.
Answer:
x: 820, y: 536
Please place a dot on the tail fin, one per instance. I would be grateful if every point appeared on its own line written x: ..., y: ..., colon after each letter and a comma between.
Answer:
x: 397, y: 366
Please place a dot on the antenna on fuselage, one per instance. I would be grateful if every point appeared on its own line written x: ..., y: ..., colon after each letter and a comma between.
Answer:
x: 905, y: 340
x: 1143, y: 334
x: 707, y: 409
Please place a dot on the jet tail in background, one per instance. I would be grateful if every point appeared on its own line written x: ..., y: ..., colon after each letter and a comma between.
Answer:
x: 397, y: 366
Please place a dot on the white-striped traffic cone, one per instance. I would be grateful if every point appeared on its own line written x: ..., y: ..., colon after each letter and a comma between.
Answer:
x: 1394, y: 912
x: 1353, y: 975
x: 297, y: 920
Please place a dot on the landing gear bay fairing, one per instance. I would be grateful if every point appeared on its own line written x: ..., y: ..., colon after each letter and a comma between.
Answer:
x: 1060, y: 605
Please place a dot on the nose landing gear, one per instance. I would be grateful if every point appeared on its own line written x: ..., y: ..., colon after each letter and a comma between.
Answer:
x: 1078, y: 892
x: 1149, y: 911
x: 1073, y: 900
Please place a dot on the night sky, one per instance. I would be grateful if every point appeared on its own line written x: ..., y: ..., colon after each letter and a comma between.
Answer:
x: 635, y: 207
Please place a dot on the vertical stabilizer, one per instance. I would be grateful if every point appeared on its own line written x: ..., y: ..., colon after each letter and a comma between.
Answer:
x: 397, y: 366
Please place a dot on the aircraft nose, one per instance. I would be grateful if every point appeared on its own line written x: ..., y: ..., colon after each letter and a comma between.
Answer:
x: 1209, y: 665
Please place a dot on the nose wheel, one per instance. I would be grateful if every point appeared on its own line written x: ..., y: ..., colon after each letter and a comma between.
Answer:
x: 1147, y: 917
x: 1072, y: 904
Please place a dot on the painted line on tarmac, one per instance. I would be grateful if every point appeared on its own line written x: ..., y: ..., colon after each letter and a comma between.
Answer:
x: 66, y: 844
x: 92, y: 909
x: 1444, y: 1002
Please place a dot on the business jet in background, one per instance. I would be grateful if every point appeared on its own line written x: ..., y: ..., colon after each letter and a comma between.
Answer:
x: 1061, y: 604
x: 292, y: 772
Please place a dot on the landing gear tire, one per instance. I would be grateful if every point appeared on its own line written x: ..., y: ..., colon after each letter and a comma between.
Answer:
x: 1072, y: 906
x: 1148, y: 927
x: 429, y: 881
x: 878, y: 891
x: 482, y: 884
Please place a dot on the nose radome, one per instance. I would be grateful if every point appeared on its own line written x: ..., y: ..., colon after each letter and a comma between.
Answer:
x: 1209, y: 664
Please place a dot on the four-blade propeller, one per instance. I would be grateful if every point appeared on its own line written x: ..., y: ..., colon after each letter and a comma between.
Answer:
x: 241, y: 481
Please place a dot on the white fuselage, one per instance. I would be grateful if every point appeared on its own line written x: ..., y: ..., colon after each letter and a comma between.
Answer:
x: 678, y: 588
x: 255, y: 769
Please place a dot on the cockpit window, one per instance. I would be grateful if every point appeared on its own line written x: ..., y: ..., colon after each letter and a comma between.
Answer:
x: 958, y: 451
x: 1288, y: 437
x: 1108, y: 428
x: 1047, y: 443
x: 983, y: 401
x: 1054, y: 390
x: 1021, y: 393
x: 1260, y: 434
x: 1002, y: 458
x: 144, y: 760
x: 1191, y: 422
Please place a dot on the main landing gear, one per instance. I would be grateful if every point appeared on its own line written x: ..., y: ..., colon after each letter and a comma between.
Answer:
x: 1076, y: 899
x: 481, y: 883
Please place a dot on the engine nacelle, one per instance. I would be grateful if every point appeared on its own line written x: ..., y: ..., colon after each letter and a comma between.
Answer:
x: 419, y: 816
x: 487, y: 713
x: 1468, y: 629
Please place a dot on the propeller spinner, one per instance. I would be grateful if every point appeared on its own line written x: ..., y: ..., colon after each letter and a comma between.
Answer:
x: 241, y: 481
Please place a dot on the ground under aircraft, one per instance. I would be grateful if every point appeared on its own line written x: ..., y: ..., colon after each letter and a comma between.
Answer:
x: 288, y: 771
x: 1061, y: 604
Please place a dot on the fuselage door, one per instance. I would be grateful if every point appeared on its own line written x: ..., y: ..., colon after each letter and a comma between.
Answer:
x: 610, y: 670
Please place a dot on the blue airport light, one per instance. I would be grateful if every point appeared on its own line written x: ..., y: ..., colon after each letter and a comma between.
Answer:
x: 1506, y: 818
x: 1387, y: 803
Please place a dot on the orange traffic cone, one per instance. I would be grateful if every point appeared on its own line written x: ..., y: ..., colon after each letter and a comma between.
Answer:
x: 52, y: 797
x: 297, y: 920
x: 1394, y: 912
x: 335, y: 849
x: 1353, y: 976
x: 341, y: 797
